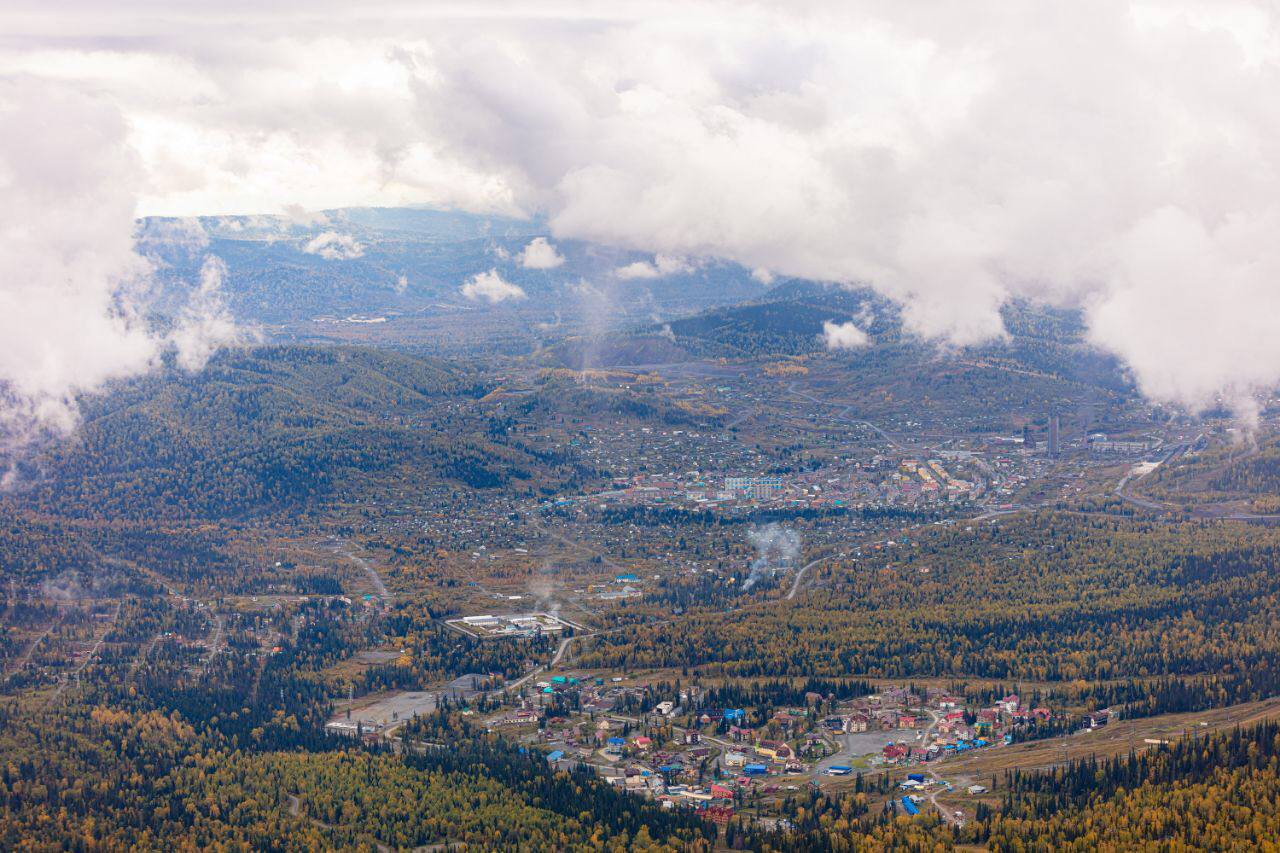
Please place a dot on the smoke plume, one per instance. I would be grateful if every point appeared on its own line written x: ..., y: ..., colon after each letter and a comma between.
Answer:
x: 543, y: 590
x: 64, y: 587
x: 776, y: 549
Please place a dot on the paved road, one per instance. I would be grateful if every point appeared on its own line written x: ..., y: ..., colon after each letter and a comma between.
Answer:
x: 540, y: 668
x: 564, y: 647
x: 749, y: 413
x: 1202, y: 511
x: 1121, y: 491
x: 996, y: 513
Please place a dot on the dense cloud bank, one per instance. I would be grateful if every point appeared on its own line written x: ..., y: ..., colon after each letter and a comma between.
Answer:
x: 73, y: 291
x: 1116, y: 156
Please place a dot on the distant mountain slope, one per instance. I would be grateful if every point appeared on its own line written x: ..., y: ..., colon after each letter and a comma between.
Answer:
x: 788, y: 320
x: 1043, y: 365
x: 330, y: 273
x: 782, y: 326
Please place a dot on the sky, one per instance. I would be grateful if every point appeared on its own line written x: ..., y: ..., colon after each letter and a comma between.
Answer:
x: 1118, y: 157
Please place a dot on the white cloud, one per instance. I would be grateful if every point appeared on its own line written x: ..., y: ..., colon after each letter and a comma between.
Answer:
x: 185, y: 232
x: 843, y: 335
x: 491, y: 287
x: 637, y: 269
x: 206, y: 324
x: 662, y: 265
x: 333, y: 246
x: 585, y: 289
x: 540, y: 255
x: 949, y: 158
x: 298, y: 215
x: 762, y: 275
x: 73, y: 290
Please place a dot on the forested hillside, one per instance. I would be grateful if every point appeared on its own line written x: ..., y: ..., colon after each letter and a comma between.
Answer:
x: 275, y: 429
x: 102, y: 778
x: 1056, y: 597
x: 1217, y: 793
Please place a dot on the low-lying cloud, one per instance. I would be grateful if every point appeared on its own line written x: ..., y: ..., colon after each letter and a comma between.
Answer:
x: 205, y: 324
x: 491, y: 287
x: 843, y: 335
x: 540, y: 255
x: 73, y: 290
x: 333, y: 246
x: 662, y: 265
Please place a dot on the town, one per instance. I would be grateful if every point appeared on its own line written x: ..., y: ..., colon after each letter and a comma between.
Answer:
x: 680, y: 744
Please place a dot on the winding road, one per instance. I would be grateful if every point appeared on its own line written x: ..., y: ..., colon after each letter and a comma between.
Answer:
x: 1201, y: 511
x: 843, y: 415
x: 540, y: 668
x: 947, y: 816
x: 795, y: 584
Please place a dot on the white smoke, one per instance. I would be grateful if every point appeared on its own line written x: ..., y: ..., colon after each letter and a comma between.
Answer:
x: 543, y: 590
x: 64, y: 587
x: 777, y: 548
x: 73, y: 290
